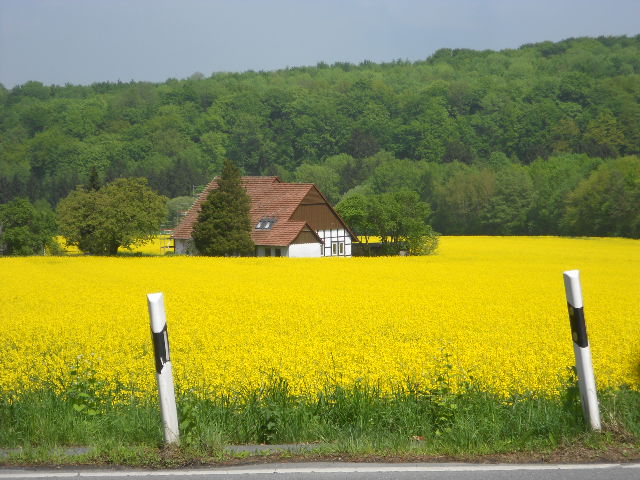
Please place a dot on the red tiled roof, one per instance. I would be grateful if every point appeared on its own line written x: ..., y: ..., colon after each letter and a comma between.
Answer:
x: 270, y: 198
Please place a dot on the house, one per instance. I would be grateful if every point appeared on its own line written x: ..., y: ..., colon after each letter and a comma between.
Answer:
x: 289, y: 220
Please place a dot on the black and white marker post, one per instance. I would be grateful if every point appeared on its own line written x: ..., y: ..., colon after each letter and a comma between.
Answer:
x: 164, y: 372
x: 584, y: 364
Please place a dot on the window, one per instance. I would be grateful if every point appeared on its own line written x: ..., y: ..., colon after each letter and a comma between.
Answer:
x: 267, y: 251
x: 265, y: 224
x: 278, y: 252
x: 337, y: 248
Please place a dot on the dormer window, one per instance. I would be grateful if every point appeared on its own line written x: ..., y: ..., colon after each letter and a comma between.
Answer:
x: 265, y: 223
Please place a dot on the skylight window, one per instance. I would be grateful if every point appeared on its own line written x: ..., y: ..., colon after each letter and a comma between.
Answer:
x: 265, y: 223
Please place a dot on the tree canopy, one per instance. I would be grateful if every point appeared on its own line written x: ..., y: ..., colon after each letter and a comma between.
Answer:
x: 400, y: 219
x: 608, y: 202
x: 224, y: 227
x: 462, y: 128
x: 122, y: 213
x: 24, y: 229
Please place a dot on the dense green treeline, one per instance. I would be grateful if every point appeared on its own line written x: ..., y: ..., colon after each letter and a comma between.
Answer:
x: 502, y: 142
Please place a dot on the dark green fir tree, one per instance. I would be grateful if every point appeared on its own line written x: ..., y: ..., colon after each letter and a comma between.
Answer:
x: 224, y: 226
x: 93, y: 183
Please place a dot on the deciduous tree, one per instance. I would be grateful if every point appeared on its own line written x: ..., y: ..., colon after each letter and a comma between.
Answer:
x: 400, y: 219
x: 123, y: 213
x: 25, y: 230
x: 507, y: 210
x: 606, y: 203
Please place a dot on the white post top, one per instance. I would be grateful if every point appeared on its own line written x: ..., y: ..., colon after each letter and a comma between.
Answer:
x: 573, y: 288
x: 157, y: 312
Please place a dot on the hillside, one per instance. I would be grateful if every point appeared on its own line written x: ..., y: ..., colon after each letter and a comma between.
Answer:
x: 470, y: 131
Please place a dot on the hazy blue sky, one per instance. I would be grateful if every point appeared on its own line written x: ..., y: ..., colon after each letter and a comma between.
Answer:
x: 85, y: 41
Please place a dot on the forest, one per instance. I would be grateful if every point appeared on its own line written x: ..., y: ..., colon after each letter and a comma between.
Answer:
x: 542, y: 139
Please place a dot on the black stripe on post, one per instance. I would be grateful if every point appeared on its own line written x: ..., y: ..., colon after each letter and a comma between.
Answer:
x: 161, y: 348
x: 578, y: 326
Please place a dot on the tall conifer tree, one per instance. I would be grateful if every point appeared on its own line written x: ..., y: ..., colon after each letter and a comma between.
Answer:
x: 224, y: 226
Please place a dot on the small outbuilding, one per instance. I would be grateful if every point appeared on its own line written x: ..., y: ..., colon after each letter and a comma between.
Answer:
x: 289, y: 220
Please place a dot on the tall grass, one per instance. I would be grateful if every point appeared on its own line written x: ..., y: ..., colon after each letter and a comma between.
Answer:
x: 357, y: 419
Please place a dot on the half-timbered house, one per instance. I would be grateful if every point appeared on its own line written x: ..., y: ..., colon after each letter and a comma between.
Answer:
x: 289, y: 220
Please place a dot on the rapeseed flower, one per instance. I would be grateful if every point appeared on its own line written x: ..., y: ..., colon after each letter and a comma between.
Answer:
x: 490, y: 310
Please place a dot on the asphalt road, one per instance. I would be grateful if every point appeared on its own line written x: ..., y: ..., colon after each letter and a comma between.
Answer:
x: 350, y: 471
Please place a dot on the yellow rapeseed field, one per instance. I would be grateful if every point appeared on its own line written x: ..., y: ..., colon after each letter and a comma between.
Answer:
x: 159, y: 245
x: 493, y: 308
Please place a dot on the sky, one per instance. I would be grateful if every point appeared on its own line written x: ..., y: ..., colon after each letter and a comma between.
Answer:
x: 87, y: 41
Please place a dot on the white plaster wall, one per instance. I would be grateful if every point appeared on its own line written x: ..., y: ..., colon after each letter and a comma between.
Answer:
x: 180, y: 246
x: 185, y: 247
x: 305, y: 250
